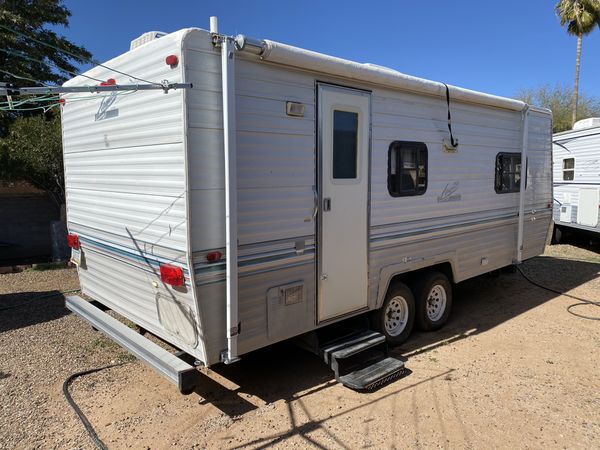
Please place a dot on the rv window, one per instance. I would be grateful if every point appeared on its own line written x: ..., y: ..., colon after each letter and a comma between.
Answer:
x: 568, y: 169
x: 508, y: 173
x: 407, y: 168
x: 345, y: 140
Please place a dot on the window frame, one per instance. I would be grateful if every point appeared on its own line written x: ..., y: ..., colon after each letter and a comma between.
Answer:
x: 496, y: 173
x: 421, y: 148
x: 568, y: 170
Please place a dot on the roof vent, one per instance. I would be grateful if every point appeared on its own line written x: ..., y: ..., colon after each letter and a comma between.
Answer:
x: 587, y: 123
x: 145, y: 38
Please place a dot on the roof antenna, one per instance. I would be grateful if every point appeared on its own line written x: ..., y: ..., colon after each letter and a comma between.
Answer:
x: 214, y: 28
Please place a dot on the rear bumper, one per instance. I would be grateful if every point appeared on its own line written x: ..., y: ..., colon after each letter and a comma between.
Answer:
x: 167, y: 364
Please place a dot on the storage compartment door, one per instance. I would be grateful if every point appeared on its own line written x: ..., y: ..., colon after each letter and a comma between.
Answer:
x: 587, y: 210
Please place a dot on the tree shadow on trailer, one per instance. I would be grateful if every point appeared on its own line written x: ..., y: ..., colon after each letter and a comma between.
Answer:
x: 286, y: 372
x: 24, y: 309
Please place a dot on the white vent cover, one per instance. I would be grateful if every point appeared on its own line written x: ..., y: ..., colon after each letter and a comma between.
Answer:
x: 587, y: 123
x: 145, y: 38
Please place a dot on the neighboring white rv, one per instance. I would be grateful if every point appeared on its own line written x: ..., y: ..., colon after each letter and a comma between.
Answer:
x: 576, y: 155
x: 288, y: 190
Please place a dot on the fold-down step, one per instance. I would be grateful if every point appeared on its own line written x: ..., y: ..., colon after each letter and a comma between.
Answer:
x: 360, y: 360
x: 167, y: 364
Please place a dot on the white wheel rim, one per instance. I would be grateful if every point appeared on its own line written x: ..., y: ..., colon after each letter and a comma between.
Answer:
x: 396, y: 316
x: 436, y: 302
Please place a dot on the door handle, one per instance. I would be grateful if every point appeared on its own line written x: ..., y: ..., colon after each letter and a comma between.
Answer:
x: 326, y: 204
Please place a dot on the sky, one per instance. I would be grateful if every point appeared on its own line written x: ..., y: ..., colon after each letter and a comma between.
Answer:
x: 494, y: 47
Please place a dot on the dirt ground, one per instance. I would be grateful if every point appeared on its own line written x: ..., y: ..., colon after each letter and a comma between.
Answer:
x: 511, y: 369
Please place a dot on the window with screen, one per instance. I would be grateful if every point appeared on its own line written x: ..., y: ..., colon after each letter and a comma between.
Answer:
x: 569, y: 169
x: 345, y: 145
x: 508, y: 173
x: 407, y: 168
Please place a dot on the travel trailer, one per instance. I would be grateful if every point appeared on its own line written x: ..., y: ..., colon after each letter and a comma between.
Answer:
x: 286, y: 190
x: 576, y: 155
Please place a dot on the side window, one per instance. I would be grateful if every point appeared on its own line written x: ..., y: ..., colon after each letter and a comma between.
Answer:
x: 345, y: 143
x: 569, y: 169
x: 508, y: 173
x: 407, y: 168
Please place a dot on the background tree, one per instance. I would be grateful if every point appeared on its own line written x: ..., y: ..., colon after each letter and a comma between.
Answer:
x: 559, y: 100
x: 34, y: 151
x: 581, y: 17
x: 29, y: 139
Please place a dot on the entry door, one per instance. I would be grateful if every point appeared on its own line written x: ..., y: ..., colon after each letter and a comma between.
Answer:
x: 344, y: 138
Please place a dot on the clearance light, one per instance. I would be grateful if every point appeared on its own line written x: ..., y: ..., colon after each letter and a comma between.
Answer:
x: 172, y: 275
x: 73, y: 241
x: 172, y: 60
x: 109, y: 82
x: 214, y: 256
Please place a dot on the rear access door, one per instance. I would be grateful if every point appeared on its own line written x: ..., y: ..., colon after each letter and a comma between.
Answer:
x: 344, y: 143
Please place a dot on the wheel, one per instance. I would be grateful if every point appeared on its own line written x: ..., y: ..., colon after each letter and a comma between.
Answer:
x: 396, y: 317
x: 556, y: 234
x: 433, y: 298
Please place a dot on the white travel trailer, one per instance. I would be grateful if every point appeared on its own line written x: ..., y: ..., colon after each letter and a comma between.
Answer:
x: 287, y: 190
x: 576, y: 155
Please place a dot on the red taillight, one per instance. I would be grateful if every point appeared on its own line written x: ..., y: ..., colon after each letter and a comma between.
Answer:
x: 73, y: 241
x: 109, y: 82
x: 172, y: 60
x: 214, y: 256
x: 172, y: 275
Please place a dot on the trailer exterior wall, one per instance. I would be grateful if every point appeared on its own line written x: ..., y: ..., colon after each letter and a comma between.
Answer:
x: 277, y: 173
x: 126, y: 186
x: 584, y: 147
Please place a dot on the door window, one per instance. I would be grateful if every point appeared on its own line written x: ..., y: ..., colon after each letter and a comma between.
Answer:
x: 345, y: 145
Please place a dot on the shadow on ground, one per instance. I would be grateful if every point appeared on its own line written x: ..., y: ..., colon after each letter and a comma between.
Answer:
x: 587, y: 240
x: 24, y: 309
x: 286, y: 372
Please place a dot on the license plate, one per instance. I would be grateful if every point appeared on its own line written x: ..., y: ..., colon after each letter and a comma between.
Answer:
x: 76, y: 256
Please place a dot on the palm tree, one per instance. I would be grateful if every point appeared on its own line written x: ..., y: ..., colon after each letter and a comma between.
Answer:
x: 581, y: 17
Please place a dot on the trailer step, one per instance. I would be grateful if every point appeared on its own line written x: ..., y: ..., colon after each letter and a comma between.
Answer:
x: 172, y: 367
x: 374, y: 375
x: 374, y: 340
x: 350, y: 345
x: 360, y: 360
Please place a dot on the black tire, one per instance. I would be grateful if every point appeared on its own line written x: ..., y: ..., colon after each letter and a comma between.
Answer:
x: 422, y: 288
x: 557, y: 235
x: 401, y: 296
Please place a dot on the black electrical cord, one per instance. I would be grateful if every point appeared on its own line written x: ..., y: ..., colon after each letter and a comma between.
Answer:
x: 86, y: 423
x: 582, y: 301
x: 453, y: 142
x: 38, y: 297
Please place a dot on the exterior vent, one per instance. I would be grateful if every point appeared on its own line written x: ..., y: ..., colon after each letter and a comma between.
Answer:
x: 145, y: 38
x: 587, y: 123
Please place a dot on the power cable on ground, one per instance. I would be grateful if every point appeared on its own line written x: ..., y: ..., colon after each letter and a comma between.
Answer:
x: 582, y: 301
x: 86, y: 423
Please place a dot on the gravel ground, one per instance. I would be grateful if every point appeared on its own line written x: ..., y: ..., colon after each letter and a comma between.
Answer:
x: 512, y: 368
x: 41, y: 344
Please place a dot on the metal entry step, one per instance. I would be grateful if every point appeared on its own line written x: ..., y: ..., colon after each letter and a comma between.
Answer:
x: 167, y: 364
x: 360, y: 361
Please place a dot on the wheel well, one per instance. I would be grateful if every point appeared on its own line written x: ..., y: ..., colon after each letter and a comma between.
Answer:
x: 409, y: 277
